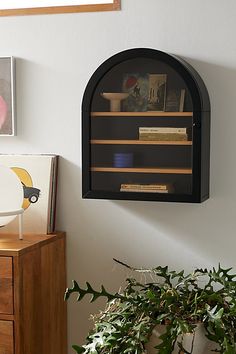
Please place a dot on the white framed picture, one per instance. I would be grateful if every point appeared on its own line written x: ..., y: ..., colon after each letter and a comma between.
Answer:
x: 31, y: 7
x: 7, y: 97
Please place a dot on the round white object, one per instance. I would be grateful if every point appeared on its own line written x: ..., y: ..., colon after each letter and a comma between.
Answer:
x: 11, y: 193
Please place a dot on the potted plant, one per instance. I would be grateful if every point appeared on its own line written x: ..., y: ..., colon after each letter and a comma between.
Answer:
x: 172, y: 299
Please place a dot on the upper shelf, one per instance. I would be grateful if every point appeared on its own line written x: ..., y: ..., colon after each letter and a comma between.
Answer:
x: 142, y: 114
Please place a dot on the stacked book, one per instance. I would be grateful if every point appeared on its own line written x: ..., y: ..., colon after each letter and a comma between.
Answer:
x: 146, y: 188
x: 163, y: 134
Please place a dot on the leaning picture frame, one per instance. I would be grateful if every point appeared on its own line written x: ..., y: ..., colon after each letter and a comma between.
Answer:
x: 7, y: 96
x: 36, y: 7
x: 175, y: 100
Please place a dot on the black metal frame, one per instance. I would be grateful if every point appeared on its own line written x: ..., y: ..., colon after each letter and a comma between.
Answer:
x: 201, y: 129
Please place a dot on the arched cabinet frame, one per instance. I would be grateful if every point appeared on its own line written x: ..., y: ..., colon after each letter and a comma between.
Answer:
x: 200, y: 129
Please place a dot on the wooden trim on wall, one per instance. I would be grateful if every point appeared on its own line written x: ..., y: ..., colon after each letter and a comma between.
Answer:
x: 115, y: 6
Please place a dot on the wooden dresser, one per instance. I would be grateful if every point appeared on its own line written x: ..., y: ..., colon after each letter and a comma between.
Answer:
x: 32, y: 285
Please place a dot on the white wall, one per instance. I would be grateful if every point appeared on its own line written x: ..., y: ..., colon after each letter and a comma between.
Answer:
x: 56, y: 56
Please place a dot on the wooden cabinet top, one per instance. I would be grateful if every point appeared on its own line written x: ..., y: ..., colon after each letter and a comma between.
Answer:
x: 10, y: 245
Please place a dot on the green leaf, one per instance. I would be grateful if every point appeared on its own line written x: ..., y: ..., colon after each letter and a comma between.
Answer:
x: 229, y: 348
x: 213, y: 315
x: 78, y: 349
x: 179, y: 300
x: 95, y: 294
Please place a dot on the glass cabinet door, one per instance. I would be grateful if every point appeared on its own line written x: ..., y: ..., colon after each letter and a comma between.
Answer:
x: 140, y: 141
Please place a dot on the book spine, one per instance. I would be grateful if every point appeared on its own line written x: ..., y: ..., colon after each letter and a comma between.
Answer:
x: 181, y: 103
x: 148, y: 186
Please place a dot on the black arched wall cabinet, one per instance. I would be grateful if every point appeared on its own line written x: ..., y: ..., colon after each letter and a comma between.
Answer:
x: 146, y: 130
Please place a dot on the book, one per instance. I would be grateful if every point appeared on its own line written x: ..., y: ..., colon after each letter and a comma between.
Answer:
x: 157, y: 92
x: 175, y: 100
x: 146, y: 92
x: 136, y: 85
x: 38, y: 177
x: 182, y: 98
x: 144, y: 186
x: 163, y: 136
x: 144, y: 190
x: 162, y: 130
x: 148, y: 188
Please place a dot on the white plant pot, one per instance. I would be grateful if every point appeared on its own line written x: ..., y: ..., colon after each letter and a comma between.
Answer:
x: 201, y: 345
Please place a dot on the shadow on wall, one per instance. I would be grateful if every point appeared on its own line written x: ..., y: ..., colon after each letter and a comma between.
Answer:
x: 151, y: 233
x: 88, y: 225
x: 220, y: 82
x: 205, y: 229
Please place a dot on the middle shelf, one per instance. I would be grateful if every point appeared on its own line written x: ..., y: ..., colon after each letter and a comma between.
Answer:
x: 134, y: 149
x: 143, y: 170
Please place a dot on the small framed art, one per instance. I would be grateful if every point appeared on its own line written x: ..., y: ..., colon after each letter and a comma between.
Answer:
x: 175, y: 100
x: 7, y: 96
x: 157, y: 92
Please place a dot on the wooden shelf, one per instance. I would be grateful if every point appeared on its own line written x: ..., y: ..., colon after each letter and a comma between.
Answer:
x: 138, y: 142
x: 142, y: 114
x: 187, y: 171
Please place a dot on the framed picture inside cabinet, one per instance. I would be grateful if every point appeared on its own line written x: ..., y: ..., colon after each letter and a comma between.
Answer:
x: 7, y: 96
x: 34, y: 7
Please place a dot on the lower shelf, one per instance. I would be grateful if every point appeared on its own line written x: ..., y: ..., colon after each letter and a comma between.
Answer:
x: 140, y: 142
x: 187, y: 171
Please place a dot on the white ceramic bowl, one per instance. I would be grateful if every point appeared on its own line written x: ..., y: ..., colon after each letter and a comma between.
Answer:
x: 115, y: 95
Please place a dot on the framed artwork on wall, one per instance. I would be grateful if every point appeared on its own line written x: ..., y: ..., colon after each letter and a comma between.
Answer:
x: 7, y: 96
x: 34, y: 7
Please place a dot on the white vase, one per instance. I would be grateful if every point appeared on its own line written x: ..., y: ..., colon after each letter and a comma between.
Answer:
x: 201, y: 344
x: 115, y: 99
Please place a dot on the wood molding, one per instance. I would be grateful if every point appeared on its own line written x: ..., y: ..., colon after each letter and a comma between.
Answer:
x: 115, y: 6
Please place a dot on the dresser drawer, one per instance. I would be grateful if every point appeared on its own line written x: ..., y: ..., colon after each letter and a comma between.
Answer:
x: 6, y: 337
x: 6, y: 286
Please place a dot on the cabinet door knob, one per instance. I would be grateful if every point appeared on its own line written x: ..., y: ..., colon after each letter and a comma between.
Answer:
x: 197, y: 125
